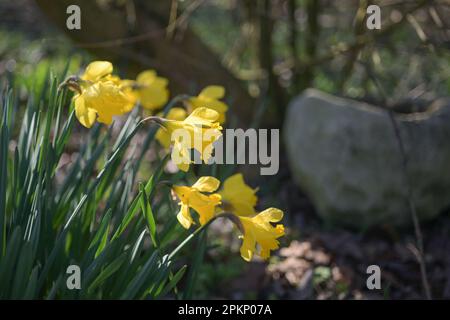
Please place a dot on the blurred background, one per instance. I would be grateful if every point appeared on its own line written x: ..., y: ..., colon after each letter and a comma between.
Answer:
x: 266, y: 53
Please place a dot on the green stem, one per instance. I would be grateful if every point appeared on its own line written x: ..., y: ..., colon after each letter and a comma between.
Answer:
x: 190, y: 237
x: 199, y: 230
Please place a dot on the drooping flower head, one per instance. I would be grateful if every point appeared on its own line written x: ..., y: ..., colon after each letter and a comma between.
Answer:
x: 198, y: 131
x: 150, y: 89
x: 258, y: 231
x: 195, y: 197
x: 99, y: 95
x: 210, y: 97
x: 258, y: 234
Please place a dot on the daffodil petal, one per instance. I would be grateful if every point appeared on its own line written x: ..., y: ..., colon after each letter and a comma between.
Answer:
x: 205, y: 213
x: 206, y: 184
x: 163, y: 137
x: 271, y: 215
x: 177, y: 114
x: 239, y: 195
x: 152, y: 92
x: 213, y: 92
x: 97, y: 69
x: 146, y: 76
x: 153, y: 98
x: 202, y: 116
x: 184, y: 217
x: 85, y: 115
x: 247, y: 248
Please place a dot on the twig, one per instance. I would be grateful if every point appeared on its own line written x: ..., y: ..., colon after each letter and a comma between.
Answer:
x: 412, y: 208
x: 182, y: 18
x: 121, y: 41
x: 358, y: 31
x: 364, y: 40
x: 409, y: 193
x: 172, y: 18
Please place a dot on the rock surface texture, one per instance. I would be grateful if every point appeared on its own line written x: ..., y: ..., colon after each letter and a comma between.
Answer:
x: 344, y: 154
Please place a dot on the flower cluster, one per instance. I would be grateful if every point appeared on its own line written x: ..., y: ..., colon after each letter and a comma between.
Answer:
x: 236, y: 200
x: 100, y: 96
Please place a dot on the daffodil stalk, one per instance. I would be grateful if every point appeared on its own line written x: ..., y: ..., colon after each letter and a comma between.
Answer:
x: 149, y: 138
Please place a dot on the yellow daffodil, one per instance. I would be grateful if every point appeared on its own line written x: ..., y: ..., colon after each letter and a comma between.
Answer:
x: 239, y: 200
x: 238, y: 197
x: 100, y: 101
x: 209, y: 98
x: 200, y: 130
x: 258, y: 230
x: 151, y: 90
x: 97, y: 71
x: 162, y: 135
x: 194, y: 197
x: 99, y: 95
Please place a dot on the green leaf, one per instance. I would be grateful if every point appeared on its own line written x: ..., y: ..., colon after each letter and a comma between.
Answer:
x: 138, y: 281
x: 148, y: 214
x: 107, y: 272
x: 8, y: 263
x: 173, y: 282
x: 4, y: 142
x: 134, y: 207
x: 195, y: 266
x: 30, y: 291
x: 101, y: 236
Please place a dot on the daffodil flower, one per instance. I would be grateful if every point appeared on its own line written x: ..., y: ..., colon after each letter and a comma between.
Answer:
x: 198, y: 131
x: 99, y: 95
x: 258, y: 230
x: 194, y: 197
x: 238, y: 197
x: 210, y: 97
x: 151, y: 90
x: 240, y: 200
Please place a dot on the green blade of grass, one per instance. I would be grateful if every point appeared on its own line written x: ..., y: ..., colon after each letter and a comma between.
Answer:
x: 134, y: 207
x: 172, y: 282
x: 4, y: 142
x: 195, y: 266
x: 138, y: 281
x: 148, y: 215
x: 107, y: 272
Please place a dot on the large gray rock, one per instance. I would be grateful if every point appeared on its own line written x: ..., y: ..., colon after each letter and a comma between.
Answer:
x: 345, y: 156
